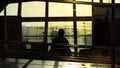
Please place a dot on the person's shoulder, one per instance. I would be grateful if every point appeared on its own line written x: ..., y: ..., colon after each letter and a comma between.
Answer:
x: 65, y: 40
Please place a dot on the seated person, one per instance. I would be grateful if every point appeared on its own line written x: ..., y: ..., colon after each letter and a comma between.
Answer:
x: 57, y: 41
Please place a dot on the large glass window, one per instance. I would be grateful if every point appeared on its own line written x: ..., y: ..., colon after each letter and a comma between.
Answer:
x: 33, y: 9
x: 60, y: 9
x: 33, y: 31
x: 84, y: 32
x: 83, y: 10
x: 53, y: 27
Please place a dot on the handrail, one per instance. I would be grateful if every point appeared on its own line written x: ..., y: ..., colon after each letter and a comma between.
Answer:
x: 58, y: 44
x: 49, y: 44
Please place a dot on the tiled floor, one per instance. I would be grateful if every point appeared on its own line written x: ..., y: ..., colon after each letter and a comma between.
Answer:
x: 19, y: 63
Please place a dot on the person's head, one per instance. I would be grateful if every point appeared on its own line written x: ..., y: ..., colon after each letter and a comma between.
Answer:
x: 61, y: 32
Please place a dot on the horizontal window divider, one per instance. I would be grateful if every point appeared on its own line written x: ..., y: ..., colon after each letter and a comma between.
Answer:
x: 11, y: 18
x: 84, y: 18
x: 27, y: 19
x: 102, y: 4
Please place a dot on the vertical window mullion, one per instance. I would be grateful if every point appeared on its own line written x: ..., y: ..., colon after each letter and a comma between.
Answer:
x: 92, y: 22
x: 19, y: 16
x: 46, y: 22
x: 74, y: 26
x: 19, y: 8
x: 5, y: 28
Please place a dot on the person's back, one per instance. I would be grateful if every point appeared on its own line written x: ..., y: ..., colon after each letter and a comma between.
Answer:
x: 56, y: 48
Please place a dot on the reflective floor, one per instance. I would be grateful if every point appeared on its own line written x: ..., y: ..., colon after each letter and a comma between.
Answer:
x: 21, y: 63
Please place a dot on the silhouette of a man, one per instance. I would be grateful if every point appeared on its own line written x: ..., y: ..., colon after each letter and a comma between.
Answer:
x: 60, y: 50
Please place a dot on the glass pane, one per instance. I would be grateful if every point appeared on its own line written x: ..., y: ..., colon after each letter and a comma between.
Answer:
x: 53, y: 27
x: 33, y: 31
x: 96, y: 0
x: 12, y: 9
x: 83, y: 10
x: 117, y: 1
x: 103, y: 13
x: 107, y: 1
x: 117, y: 14
x: 33, y: 9
x: 60, y: 9
x: 84, y: 32
x: 2, y: 13
x: 85, y: 0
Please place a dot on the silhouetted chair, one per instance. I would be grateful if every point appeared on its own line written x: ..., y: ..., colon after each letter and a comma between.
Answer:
x: 60, y: 50
x: 42, y: 47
